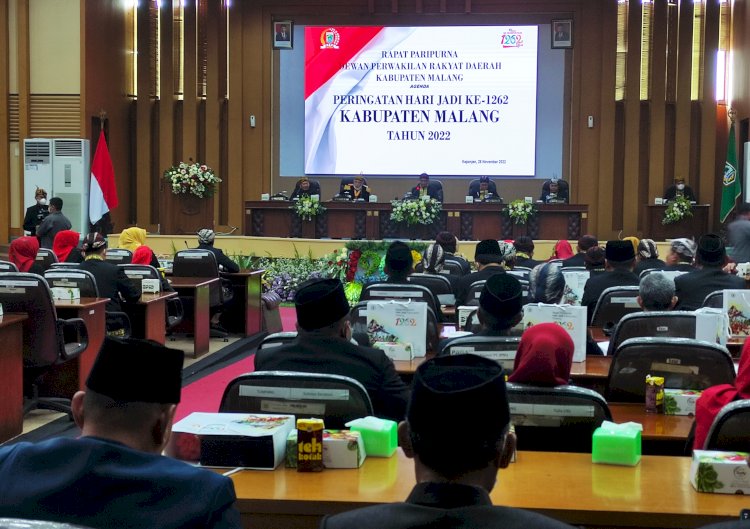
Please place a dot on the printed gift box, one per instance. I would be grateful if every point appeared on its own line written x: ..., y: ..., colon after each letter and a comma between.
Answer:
x: 680, y: 401
x: 341, y: 449
x: 395, y: 350
x: 722, y: 472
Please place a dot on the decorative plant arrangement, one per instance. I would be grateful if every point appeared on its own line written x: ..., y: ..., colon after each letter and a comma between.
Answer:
x: 677, y: 210
x: 519, y: 211
x: 306, y: 208
x: 192, y: 178
x: 424, y: 211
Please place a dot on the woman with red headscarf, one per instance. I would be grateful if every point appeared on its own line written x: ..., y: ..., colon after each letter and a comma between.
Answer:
x: 22, y: 253
x: 713, y: 399
x: 544, y: 356
x: 562, y: 250
x: 143, y: 255
x: 66, y: 248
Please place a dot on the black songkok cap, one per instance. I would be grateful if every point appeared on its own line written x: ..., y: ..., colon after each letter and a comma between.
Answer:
x: 132, y: 370
x: 488, y: 251
x: 711, y: 249
x: 320, y: 303
x: 466, y: 386
x: 619, y: 251
x: 501, y: 296
x: 398, y: 257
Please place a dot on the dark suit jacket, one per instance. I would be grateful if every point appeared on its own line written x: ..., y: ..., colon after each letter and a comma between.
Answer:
x: 527, y: 263
x: 599, y: 283
x: 474, y: 189
x: 221, y: 258
x: 438, y: 506
x: 348, y: 190
x: 671, y: 193
x: 693, y: 287
x: 314, y: 189
x: 577, y: 260
x: 680, y: 267
x: 99, y: 483
x: 111, y: 282
x: 434, y: 190
x: 34, y: 216
x: 465, y: 282
x: 648, y: 264
x: 371, y: 367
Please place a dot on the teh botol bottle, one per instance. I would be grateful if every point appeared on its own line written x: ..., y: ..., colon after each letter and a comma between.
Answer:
x: 309, y: 445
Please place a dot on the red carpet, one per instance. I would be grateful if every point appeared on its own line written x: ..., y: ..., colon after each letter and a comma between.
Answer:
x: 205, y: 394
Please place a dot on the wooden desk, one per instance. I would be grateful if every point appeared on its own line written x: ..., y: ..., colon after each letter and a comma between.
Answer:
x: 734, y: 345
x: 11, y: 366
x: 246, y: 314
x: 655, y: 493
x: 69, y: 377
x: 199, y: 289
x: 656, y: 426
x: 693, y: 226
x: 147, y: 316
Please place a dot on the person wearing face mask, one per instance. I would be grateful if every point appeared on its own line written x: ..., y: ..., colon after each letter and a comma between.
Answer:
x: 679, y: 189
x: 35, y: 214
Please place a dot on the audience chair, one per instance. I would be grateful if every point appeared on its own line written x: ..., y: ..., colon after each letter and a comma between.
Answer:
x: 501, y: 349
x: 46, y: 257
x: 48, y: 341
x: 556, y: 419
x: 613, y: 304
x: 714, y: 300
x: 18, y: 523
x: 669, y: 273
x: 684, y: 363
x: 119, y: 256
x: 202, y: 263
x: 451, y: 266
x: 400, y: 291
x: 438, y: 284
x: 730, y: 430
x: 556, y: 262
x: 7, y: 266
x: 65, y: 266
x: 136, y: 273
x: 277, y: 339
x: 334, y: 398
x: 475, y: 290
x: 657, y: 324
x: 574, y: 269
x: 358, y: 320
x: 521, y: 273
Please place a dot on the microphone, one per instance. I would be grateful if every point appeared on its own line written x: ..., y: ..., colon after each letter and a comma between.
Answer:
x: 186, y: 245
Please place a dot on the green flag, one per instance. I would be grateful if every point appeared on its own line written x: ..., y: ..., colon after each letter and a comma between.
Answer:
x: 731, y: 188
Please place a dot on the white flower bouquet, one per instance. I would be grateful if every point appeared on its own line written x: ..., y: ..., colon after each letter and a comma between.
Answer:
x: 424, y: 211
x: 519, y: 211
x: 192, y: 178
x: 306, y: 208
x: 677, y: 210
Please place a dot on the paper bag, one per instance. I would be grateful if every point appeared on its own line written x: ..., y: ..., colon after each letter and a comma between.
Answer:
x: 575, y: 281
x: 711, y: 325
x: 398, y: 321
x: 570, y: 318
x: 737, y: 309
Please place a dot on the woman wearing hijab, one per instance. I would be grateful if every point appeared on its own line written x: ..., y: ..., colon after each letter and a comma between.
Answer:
x: 648, y: 257
x: 544, y: 356
x: 132, y: 238
x: 65, y: 247
x: 635, y: 241
x: 22, y: 253
x: 144, y: 256
x: 713, y: 399
x: 562, y: 250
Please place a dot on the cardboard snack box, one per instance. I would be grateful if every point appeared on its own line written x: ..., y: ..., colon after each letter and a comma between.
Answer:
x: 720, y: 472
x: 341, y: 449
x: 680, y: 401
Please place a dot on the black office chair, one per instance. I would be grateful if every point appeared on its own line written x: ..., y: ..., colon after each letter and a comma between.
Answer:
x: 438, y: 284
x: 730, y: 430
x: 347, y: 181
x: 336, y: 399
x: 400, y: 291
x: 520, y: 273
x: 563, y: 190
x: 669, y: 273
x: 48, y: 341
x: 657, y: 324
x: 475, y: 290
x: 491, y: 188
x: 359, y: 323
x: 277, y: 339
x: 714, y: 300
x: 136, y: 273
x: 46, y: 257
x: 613, y: 304
x: 18, y: 523
x: 451, y: 266
x: 7, y: 266
x: 684, y: 363
x: 557, y: 419
x: 501, y: 349
x: 67, y: 266
x: 202, y: 263
x: 85, y: 282
x: 119, y: 256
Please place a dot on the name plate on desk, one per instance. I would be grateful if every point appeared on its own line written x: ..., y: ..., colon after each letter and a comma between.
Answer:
x: 150, y: 286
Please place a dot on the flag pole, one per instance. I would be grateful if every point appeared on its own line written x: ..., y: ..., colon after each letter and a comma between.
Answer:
x: 731, y: 188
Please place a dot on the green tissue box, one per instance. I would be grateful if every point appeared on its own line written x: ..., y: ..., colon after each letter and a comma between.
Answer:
x: 617, y: 444
x: 380, y: 435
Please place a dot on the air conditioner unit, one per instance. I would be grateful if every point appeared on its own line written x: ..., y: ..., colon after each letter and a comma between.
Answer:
x: 71, y: 172
x: 37, y: 168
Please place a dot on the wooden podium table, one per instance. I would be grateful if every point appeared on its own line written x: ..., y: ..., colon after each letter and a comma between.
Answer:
x: 11, y: 365
x: 694, y: 226
x: 197, y: 288
x: 147, y: 316
x: 246, y: 314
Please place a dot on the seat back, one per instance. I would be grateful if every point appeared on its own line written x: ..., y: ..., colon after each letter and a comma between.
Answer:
x: 29, y: 293
x: 73, y: 278
x: 359, y: 323
x: 714, y: 300
x: 730, y: 430
x: 520, y: 272
x: 399, y: 291
x: 613, y: 304
x: 683, y: 362
x: 136, y: 273
x: 336, y: 399
x: 559, y: 419
x: 69, y: 266
x: 669, y: 273
x: 46, y: 257
x: 501, y: 349
x: 451, y: 266
x: 658, y: 324
x: 199, y: 263
x: 277, y: 339
x: 475, y: 290
x: 439, y: 285
x: 119, y: 256
x: 7, y: 266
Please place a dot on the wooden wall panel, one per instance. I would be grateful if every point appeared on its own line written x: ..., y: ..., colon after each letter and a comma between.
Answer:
x: 237, y: 119
x: 683, y: 104
x: 190, y: 75
x: 708, y: 176
x: 144, y: 124
x: 167, y: 99
x: 24, y: 89
x: 214, y: 86
x: 631, y: 171
x: 5, y: 213
x: 657, y: 109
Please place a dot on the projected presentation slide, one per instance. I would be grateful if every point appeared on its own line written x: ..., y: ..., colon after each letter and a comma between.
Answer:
x: 406, y: 100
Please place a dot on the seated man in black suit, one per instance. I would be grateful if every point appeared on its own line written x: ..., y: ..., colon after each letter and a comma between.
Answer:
x: 114, y: 475
x: 356, y: 190
x: 500, y: 306
x: 206, y: 238
x: 681, y: 255
x: 305, y: 188
x: 620, y: 260
x: 584, y: 243
x: 525, y: 252
x: 554, y: 192
x: 111, y: 281
x: 489, y: 259
x: 455, y: 470
x: 483, y: 189
x: 449, y: 243
x: 656, y: 292
x: 398, y: 262
x: 427, y: 188
x: 323, y: 346
x: 693, y: 287
x: 679, y: 189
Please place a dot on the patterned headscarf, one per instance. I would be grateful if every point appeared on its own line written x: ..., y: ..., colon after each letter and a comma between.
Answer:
x: 206, y: 236
x: 647, y: 249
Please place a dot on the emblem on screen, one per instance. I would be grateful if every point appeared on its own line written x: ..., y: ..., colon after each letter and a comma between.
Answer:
x: 511, y: 39
x: 329, y: 39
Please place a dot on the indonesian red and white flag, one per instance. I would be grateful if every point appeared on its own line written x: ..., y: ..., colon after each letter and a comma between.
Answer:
x: 103, y: 192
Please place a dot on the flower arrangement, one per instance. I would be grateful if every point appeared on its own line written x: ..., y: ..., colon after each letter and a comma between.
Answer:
x: 519, y: 211
x: 677, y: 210
x: 425, y: 211
x: 306, y: 208
x: 192, y: 178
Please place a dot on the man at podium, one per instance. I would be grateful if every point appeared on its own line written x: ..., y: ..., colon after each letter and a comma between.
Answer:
x: 679, y: 189
x: 482, y: 189
x: 357, y: 189
x: 427, y: 188
x: 554, y: 192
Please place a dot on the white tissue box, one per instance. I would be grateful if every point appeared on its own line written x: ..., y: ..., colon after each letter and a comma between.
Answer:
x: 720, y: 472
x: 66, y: 294
x: 150, y: 286
x: 395, y: 350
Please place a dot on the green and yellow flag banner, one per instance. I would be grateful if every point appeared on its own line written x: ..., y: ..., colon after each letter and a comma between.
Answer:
x: 731, y: 187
